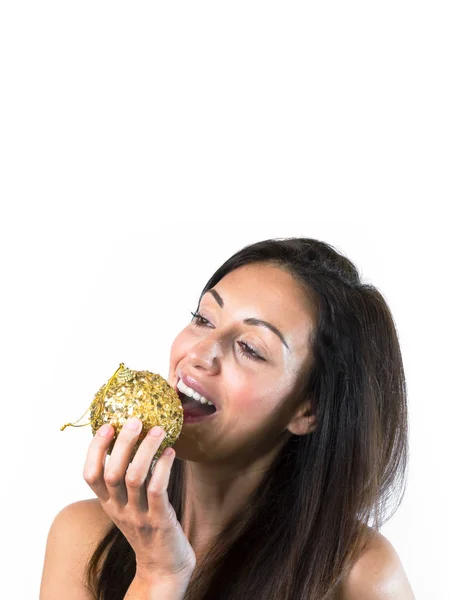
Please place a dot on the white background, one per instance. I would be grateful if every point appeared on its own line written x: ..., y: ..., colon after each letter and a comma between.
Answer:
x: 141, y: 146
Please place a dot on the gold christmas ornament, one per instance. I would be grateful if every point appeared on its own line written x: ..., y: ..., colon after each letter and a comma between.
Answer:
x: 140, y: 394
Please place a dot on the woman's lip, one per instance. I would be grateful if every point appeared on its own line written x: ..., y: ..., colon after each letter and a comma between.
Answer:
x: 195, y: 385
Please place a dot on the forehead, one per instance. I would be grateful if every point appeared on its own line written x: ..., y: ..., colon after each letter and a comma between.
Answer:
x: 267, y: 292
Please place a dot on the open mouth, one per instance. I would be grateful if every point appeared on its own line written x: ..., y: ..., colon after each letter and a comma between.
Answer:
x: 194, y: 409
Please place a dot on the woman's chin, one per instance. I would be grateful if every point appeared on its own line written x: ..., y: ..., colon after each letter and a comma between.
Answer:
x: 188, y: 447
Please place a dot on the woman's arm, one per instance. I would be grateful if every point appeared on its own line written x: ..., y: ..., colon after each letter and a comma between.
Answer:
x: 143, y: 589
x: 74, y: 534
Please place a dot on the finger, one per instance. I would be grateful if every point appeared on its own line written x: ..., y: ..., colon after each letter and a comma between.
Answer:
x: 120, y: 459
x: 138, y: 471
x: 93, y: 471
x: 157, y: 498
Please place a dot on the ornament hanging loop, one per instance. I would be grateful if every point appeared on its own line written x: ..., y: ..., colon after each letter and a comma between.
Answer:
x: 123, y: 376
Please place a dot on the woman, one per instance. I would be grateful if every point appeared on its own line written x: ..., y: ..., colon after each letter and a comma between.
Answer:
x: 274, y: 484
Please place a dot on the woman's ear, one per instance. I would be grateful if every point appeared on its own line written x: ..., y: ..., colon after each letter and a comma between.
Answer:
x: 303, y: 421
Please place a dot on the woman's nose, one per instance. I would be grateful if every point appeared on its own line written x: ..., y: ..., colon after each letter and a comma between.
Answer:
x: 205, y: 354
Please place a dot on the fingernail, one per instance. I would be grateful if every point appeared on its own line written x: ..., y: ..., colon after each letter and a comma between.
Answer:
x: 132, y: 423
x: 156, y: 431
x: 104, y: 429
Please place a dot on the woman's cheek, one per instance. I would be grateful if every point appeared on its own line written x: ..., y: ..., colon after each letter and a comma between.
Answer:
x: 248, y: 398
x: 176, y: 355
x: 180, y: 346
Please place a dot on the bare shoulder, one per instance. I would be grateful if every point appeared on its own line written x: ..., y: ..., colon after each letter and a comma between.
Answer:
x: 377, y: 575
x: 84, y: 522
x: 90, y: 513
x: 73, y: 536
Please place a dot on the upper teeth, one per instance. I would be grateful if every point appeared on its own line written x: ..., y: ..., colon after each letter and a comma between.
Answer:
x: 192, y: 393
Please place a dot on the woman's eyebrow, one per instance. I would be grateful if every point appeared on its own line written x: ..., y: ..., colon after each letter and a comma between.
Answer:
x: 250, y: 321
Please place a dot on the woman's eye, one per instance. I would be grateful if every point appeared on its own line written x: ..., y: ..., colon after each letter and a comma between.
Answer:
x: 248, y: 351
x: 198, y: 319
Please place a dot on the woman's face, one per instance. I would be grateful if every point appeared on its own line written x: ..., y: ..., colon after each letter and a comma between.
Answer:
x: 247, y: 369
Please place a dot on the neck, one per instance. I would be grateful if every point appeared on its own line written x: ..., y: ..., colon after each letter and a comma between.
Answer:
x: 215, y: 494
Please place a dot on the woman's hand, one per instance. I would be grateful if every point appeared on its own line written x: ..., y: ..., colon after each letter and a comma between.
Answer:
x: 137, y: 502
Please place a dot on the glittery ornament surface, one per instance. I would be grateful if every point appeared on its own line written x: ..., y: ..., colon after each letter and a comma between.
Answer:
x: 141, y: 394
x: 144, y: 395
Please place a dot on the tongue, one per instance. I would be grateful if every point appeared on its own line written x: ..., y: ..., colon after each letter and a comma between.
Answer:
x: 193, y: 408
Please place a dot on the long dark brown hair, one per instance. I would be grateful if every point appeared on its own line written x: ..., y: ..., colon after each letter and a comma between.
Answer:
x: 326, y: 493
